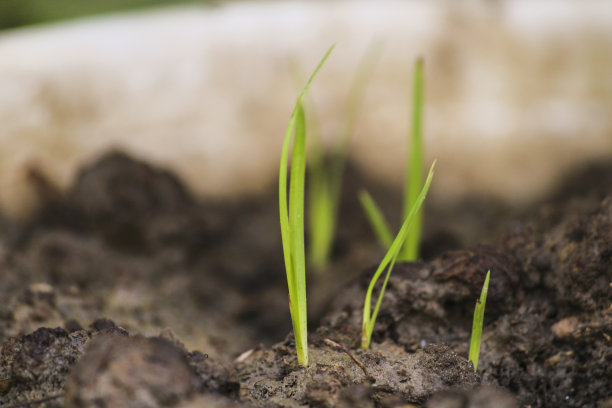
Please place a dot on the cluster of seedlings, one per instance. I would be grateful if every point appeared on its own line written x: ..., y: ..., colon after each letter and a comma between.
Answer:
x: 323, y: 210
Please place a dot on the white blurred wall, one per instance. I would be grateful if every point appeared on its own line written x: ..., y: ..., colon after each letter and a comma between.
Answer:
x: 517, y: 91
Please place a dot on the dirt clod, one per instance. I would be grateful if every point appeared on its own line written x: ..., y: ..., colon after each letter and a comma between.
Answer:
x: 35, y: 366
x: 121, y: 371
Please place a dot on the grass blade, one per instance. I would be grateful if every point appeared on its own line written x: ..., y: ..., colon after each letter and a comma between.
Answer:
x: 377, y: 219
x: 321, y: 216
x: 478, y: 322
x: 414, y: 171
x: 389, y: 260
x: 296, y: 225
x: 292, y: 218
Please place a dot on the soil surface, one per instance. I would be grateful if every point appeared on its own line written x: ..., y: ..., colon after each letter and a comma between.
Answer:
x: 127, y: 291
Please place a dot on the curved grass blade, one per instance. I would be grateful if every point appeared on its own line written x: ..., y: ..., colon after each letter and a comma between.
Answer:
x: 376, y: 218
x: 388, y: 262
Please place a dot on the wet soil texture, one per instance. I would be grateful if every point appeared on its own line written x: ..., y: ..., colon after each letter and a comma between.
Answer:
x: 127, y: 291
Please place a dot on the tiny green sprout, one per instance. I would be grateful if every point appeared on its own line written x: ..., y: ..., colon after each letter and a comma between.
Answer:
x: 478, y: 322
x: 388, y: 262
x: 326, y: 174
x: 412, y: 180
x: 292, y: 218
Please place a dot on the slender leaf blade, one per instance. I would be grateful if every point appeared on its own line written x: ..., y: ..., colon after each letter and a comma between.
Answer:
x: 414, y: 176
x: 282, y: 202
x: 292, y: 218
x: 377, y: 220
x: 296, y: 222
x: 479, y: 310
x: 321, y: 218
x: 389, y: 259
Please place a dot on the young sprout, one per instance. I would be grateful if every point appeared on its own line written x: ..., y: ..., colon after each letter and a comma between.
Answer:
x: 412, y: 180
x: 325, y: 176
x: 388, y: 262
x: 477, y: 325
x: 292, y: 218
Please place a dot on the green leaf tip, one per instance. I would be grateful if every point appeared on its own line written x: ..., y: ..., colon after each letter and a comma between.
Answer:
x: 479, y: 310
x: 312, y: 77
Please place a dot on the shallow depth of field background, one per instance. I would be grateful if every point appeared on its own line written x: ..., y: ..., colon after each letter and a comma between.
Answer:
x: 517, y: 92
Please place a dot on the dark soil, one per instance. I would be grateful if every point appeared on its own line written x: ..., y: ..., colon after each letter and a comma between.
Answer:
x: 129, y: 292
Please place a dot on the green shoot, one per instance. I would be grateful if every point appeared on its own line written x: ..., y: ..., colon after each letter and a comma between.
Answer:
x: 292, y: 218
x: 322, y: 211
x: 412, y: 181
x: 389, y: 261
x: 325, y: 176
x: 377, y: 219
x: 414, y: 171
x: 477, y: 325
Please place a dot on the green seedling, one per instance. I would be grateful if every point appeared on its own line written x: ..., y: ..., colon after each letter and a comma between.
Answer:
x: 388, y: 262
x: 292, y: 218
x: 412, y: 180
x: 478, y: 322
x: 325, y: 176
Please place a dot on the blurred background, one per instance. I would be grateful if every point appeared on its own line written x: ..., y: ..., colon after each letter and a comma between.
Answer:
x: 517, y: 92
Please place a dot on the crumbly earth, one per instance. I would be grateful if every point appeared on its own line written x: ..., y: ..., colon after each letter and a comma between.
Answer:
x: 130, y: 292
